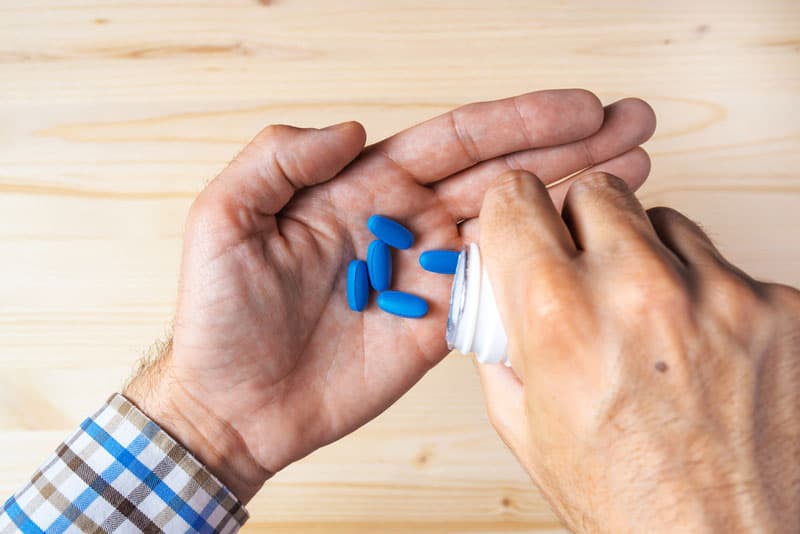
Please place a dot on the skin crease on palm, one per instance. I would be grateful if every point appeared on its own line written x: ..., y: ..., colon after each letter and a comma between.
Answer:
x: 267, y: 361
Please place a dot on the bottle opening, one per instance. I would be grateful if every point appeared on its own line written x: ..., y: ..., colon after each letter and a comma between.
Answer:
x: 473, y: 322
x: 457, y: 297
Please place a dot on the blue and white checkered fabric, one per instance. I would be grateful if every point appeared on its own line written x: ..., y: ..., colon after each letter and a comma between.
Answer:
x: 121, y: 473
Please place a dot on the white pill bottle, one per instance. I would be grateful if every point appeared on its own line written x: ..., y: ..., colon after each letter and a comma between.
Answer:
x: 473, y: 323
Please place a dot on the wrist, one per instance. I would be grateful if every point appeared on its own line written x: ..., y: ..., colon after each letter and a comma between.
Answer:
x: 213, y: 441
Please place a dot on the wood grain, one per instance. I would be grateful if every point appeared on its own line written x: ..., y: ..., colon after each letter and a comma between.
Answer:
x: 115, y: 113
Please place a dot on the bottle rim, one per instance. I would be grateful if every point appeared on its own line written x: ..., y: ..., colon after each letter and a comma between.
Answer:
x: 457, y: 299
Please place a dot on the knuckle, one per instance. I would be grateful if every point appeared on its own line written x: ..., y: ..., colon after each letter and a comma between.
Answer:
x: 665, y: 218
x: 737, y: 289
x: 511, y: 186
x: 671, y: 302
x: 662, y: 215
x: 658, y: 288
x: 556, y: 296
x: 599, y: 181
x: 512, y: 181
x: 272, y: 156
x: 737, y: 299
x: 601, y: 189
x: 658, y: 302
x: 786, y: 296
x: 271, y: 133
x: 273, y: 129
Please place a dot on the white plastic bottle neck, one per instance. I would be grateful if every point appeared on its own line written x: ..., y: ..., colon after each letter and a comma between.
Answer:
x: 473, y: 323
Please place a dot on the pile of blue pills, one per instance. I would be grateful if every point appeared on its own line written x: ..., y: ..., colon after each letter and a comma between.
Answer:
x: 376, y: 272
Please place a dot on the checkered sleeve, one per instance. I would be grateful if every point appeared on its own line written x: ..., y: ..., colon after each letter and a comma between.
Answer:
x: 120, y: 472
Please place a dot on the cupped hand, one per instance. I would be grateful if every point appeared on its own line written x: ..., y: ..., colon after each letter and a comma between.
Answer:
x: 267, y: 362
x: 655, y: 386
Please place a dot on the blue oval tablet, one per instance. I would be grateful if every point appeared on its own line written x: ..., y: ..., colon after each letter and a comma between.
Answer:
x: 357, y: 285
x: 390, y: 232
x: 379, y: 265
x: 439, y: 261
x: 402, y: 304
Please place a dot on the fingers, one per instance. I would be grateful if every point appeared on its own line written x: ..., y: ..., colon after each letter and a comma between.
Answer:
x: 505, y: 405
x: 684, y: 238
x: 519, y: 222
x: 632, y: 167
x: 279, y: 161
x: 604, y: 215
x: 476, y: 132
x: 519, y: 229
x: 627, y: 124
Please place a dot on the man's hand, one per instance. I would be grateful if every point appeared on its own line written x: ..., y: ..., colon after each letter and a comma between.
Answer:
x: 655, y: 387
x: 268, y: 363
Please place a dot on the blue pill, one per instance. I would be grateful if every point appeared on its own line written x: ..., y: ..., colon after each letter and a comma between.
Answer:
x: 357, y: 285
x: 439, y: 261
x: 390, y: 232
x: 379, y: 265
x: 402, y: 304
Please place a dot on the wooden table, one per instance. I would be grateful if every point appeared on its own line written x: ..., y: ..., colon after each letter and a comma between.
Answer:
x: 115, y: 113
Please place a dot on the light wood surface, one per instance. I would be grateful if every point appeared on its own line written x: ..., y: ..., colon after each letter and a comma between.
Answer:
x: 113, y: 114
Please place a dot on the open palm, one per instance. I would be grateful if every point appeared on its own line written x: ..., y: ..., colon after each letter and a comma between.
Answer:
x: 264, y: 339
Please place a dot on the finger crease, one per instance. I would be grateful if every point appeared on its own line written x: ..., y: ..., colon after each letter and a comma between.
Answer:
x: 590, y: 159
x: 277, y: 167
x: 452, y: 210
x: 512, y: 162
x: 523, y: 125
x: 465, y: 140
x: 398, y: 165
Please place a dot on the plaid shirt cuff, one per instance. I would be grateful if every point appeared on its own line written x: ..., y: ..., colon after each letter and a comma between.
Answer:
x: 121, y: 473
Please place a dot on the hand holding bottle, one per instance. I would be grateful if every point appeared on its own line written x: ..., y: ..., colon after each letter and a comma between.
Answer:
x: 654, y: 385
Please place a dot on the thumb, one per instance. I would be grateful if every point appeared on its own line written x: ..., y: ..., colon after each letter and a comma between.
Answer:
x: 283, y: 159
x: 505, y: 406
x: 523, y: 241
